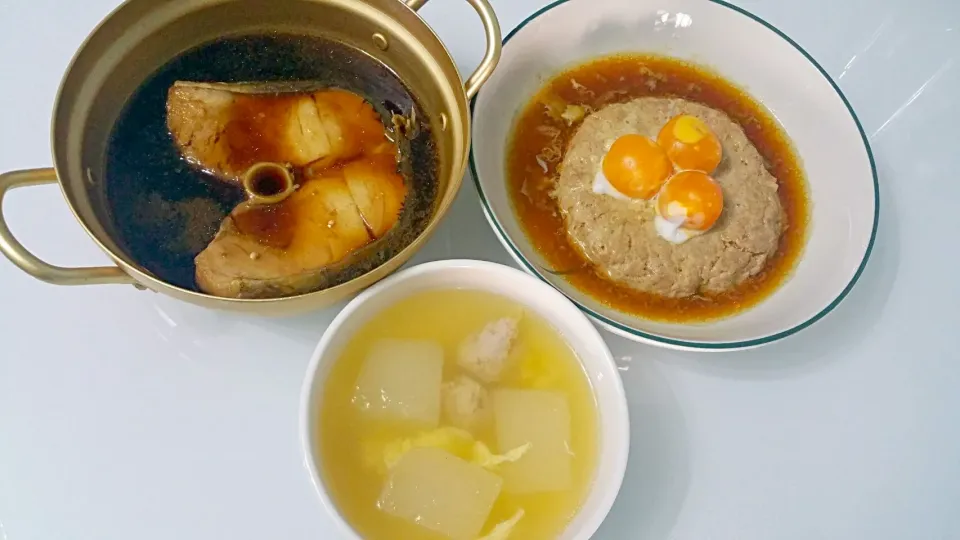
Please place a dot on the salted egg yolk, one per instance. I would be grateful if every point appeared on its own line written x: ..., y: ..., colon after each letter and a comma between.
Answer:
x: 688, y: 205
x: 690, y: 144
x: 635, y: 166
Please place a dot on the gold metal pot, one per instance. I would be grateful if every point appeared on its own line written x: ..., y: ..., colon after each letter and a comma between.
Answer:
x: 142, y: 35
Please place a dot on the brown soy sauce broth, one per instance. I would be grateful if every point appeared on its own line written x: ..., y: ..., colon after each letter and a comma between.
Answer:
x: 166, y: 210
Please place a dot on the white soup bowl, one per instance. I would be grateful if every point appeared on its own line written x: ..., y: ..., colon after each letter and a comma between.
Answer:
x: 536, y: 296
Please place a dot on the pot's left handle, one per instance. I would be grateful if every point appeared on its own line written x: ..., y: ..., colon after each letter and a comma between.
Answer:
x: 28, y: 262
x: 491, y: 28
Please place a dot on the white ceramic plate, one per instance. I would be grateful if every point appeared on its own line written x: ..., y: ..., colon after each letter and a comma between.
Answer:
x: 583, y: 338
x: 746, y: 50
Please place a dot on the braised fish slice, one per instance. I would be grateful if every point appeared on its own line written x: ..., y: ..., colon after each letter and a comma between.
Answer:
x: 377, y: 190
x: 281, y: 249
x: 225, y: 128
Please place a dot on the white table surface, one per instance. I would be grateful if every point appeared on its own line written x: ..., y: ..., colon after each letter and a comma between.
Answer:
x: 126, y: 415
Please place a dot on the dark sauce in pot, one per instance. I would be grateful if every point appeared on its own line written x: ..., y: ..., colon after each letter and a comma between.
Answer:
x: 165, y: 210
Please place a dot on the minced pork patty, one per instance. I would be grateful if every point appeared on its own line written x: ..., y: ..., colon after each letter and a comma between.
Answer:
x: 619, y: 237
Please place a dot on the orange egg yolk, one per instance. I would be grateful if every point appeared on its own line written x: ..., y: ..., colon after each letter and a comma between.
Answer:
x: 636, y: 166
x: 690, y: 144
x: 693, y: 197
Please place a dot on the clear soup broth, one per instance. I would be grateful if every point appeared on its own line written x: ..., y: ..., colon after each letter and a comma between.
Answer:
x: 360, y: 452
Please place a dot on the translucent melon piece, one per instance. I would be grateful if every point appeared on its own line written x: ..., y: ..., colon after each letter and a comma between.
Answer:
x: 441, y: 492
x: 400, y: 380
x: 541, y: 419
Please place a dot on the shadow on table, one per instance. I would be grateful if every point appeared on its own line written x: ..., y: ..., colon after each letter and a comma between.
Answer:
x: 658, y: 473
x: 811, y: 349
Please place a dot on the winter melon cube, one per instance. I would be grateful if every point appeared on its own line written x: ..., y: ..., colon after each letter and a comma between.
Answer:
x: 541, y: 419
x: 437, y: 490
x: 400, y: 380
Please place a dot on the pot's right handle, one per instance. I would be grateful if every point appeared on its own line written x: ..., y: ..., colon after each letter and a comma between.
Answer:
x: 28, y: 262
x: 492, y: 55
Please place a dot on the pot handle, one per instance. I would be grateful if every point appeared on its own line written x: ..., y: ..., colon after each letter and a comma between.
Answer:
x: 28, y: 262
x: 492, y: 55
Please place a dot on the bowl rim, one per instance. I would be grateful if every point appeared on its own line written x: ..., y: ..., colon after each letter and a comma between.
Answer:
x: 614, y: 433
x: 640, y: 335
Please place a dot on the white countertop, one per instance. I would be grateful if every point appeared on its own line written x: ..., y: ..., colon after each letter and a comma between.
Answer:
x: 126, y: 415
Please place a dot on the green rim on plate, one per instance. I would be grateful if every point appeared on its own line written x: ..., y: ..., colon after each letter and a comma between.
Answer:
x: 679, y: 342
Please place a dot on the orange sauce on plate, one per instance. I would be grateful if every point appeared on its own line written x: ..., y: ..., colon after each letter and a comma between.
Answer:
x: 622, y: 78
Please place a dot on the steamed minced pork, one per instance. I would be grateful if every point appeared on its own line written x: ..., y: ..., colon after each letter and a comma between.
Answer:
x: 618, y: 235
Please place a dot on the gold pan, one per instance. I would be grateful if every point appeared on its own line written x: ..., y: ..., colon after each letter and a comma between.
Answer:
x: 142, y: 35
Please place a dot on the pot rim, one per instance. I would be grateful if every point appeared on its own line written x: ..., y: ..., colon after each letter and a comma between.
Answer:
x: 129, y: 271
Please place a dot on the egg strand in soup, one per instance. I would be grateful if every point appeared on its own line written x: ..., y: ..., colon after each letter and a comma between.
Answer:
x: 457, y: 414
